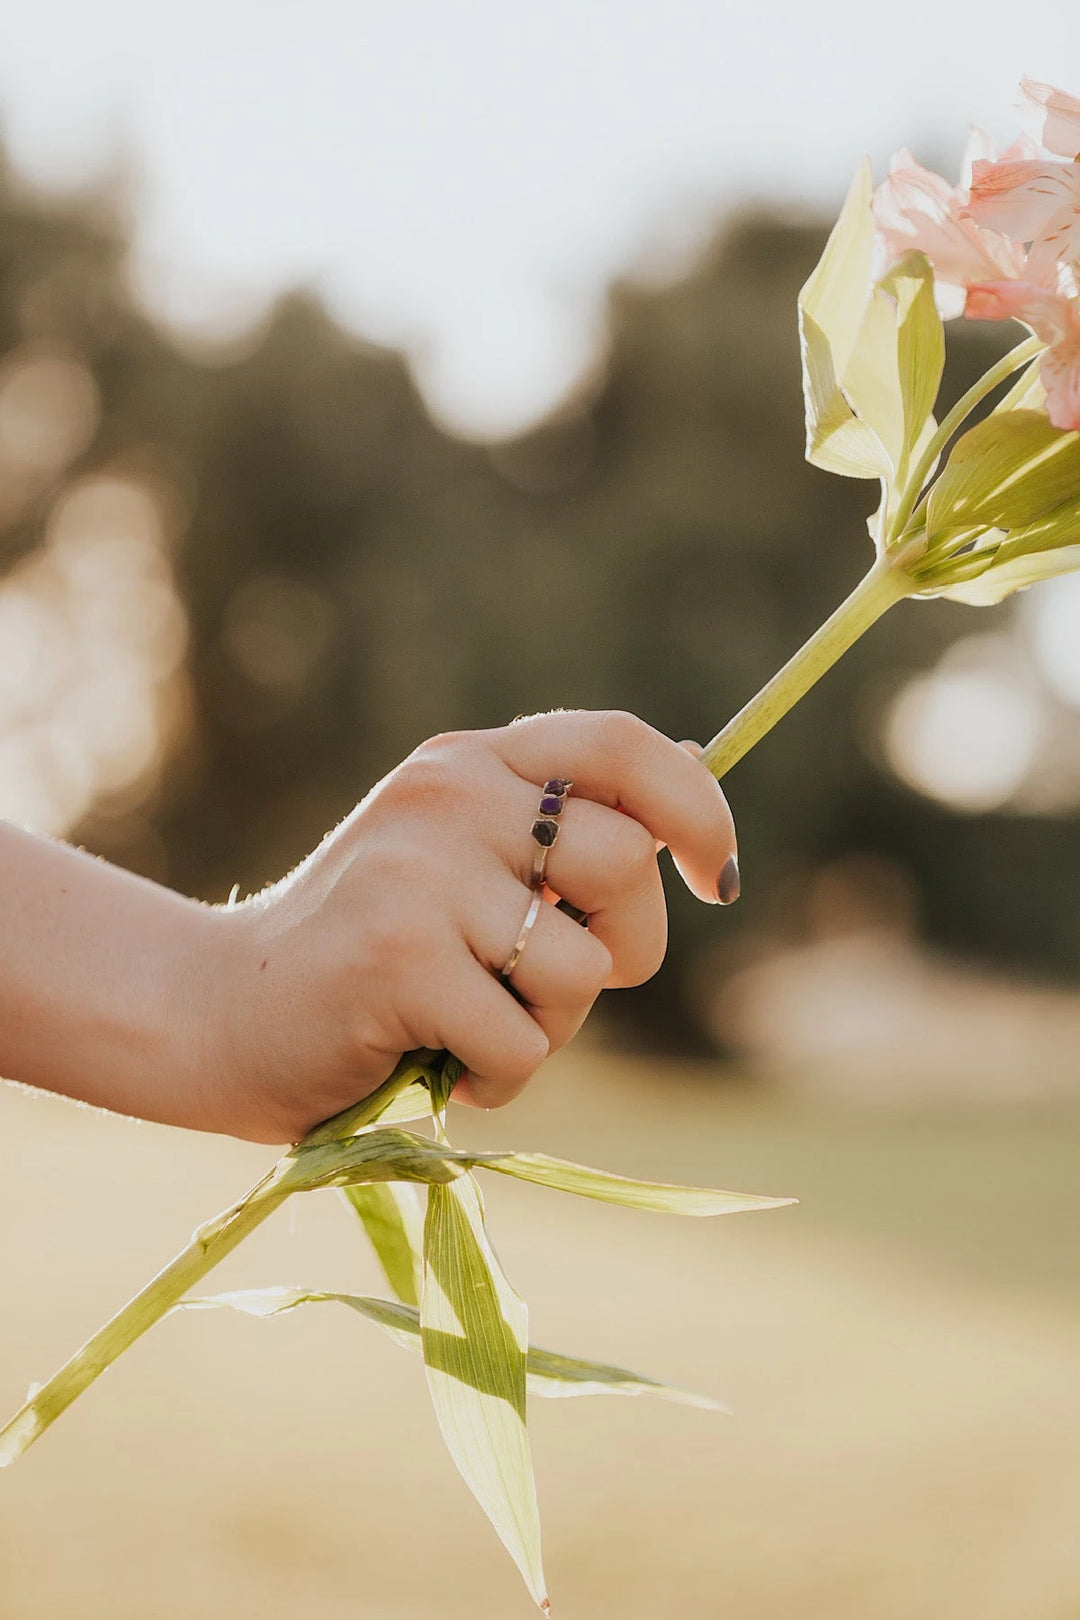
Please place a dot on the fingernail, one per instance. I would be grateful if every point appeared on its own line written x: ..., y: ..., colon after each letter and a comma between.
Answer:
x: 728, y: 887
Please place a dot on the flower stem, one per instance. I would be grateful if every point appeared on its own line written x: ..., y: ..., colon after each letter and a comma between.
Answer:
x: 210, y: 1244
x: 885, y: 584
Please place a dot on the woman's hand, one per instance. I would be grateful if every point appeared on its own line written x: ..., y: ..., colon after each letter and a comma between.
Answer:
x: 393, y: 933
x: 262, y: 1019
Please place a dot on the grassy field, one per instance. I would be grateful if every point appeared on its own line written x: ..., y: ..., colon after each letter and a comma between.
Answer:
x: 900, y: 1351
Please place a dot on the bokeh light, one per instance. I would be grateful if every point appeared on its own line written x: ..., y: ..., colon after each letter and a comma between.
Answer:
x: 94, y: 637
x: 968, y: 732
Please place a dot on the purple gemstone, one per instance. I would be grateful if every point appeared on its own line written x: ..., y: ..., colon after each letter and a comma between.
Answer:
x: 558, y: 784
x: 551, y: 805
x: 545, y: 832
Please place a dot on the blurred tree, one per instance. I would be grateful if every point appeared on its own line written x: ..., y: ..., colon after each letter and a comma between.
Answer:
x: 355, y: 580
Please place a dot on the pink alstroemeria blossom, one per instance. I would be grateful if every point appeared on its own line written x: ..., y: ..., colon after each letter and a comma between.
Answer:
x: 1054, y: 117
x: 1052, y: 317
x: 1031, y: 200
x: 914, y: 208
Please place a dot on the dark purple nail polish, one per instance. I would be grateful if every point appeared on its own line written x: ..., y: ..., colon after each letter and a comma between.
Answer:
x: 729, y: 884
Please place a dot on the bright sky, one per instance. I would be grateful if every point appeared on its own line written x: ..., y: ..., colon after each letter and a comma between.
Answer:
x: 465, y: 178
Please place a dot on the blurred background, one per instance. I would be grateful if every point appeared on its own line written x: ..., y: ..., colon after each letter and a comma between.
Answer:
x: 369, y: 372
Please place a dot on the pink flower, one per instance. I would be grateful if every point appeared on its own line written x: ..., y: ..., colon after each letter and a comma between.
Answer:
x: 1052, y: 317
x: 1032, y: 201
x: 1054, y: 117
x: 916, y: 209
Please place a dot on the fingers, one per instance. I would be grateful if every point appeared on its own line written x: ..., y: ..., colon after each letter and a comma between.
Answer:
x: 562, y: 967
x: 617, y: 760
x: 605, y: 864
x: 561, y: 975
x: 475, y: 1017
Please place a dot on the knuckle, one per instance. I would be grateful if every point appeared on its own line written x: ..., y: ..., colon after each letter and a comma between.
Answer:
x: 441, y: 770
x: 621, y: 735
x: 428, y: 778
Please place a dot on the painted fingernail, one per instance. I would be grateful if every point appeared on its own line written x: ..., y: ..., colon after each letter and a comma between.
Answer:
x: 728, y: 887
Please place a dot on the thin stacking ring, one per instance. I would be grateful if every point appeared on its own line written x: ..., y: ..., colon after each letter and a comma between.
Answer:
x: 545, y: 829
x: 526, y: 929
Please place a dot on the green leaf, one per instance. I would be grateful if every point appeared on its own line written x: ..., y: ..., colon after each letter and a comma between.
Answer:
x: 396, y: 1155
x: 412, y: 1103
x: 393, y: 1220
x: 1027, y: 392
x: 447, y: 1074
x: 999, y: 582
x: 894, y: 371
x: 831, y: 307
x: 384, y: 1154
x: 612, y: 1189
x: 474, y: 1332
x: 548, y: 1374
x: 1011, y: 470
x: 559, y: 1377
x: 920, y: 341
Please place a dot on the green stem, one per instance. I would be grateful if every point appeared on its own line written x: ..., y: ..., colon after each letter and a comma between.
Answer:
x: 1013, y: 361
x: 885, y: 584
x: 210, y: 1244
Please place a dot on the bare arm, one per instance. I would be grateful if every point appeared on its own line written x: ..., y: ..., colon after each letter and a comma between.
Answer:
x: 99, y: 974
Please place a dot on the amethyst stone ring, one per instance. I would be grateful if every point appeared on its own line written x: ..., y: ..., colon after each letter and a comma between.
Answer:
x: 545, y: 829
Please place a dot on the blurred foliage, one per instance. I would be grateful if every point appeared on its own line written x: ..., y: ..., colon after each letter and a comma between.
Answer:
x: 356, y: 579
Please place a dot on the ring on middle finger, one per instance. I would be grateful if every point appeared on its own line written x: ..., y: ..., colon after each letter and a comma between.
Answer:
x: 545, y: 829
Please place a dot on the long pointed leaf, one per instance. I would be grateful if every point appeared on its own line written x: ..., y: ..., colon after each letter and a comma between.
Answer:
x: 1011, y: 470
x: 548, y: 1373
x: 394, y: 1221
x: 397, y: 1155
x: 611, y: 1189
x: 474, y: 1332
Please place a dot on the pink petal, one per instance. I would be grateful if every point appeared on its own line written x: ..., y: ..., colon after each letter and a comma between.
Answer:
x: 916, y: 208
x: 1055, y: 116
x: 1060, y: 373
x: 1050, y: 316
x: 1021, y: 199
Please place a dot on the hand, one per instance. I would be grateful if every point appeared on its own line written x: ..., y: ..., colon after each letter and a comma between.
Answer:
x: 393, y: 933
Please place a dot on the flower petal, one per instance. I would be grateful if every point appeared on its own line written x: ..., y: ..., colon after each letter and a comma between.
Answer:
x: 1054, y: 318
x: 914, y: 208
x: 1049, y: 315
x: 1054, y: 117
x: 1060, y: 372
x: 1025, y: 200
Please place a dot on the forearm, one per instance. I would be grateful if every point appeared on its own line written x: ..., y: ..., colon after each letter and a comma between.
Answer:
x: 98, y: 987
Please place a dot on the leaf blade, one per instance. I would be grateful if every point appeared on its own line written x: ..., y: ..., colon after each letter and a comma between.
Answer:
x: 1009, y: 471
x: 549, y: 1373
x: 660, y: 1196
x: 392, y: 1218
x: 474, y: 1335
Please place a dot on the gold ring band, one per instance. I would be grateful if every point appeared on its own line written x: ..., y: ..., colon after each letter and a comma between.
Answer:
x: 526, y: 929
